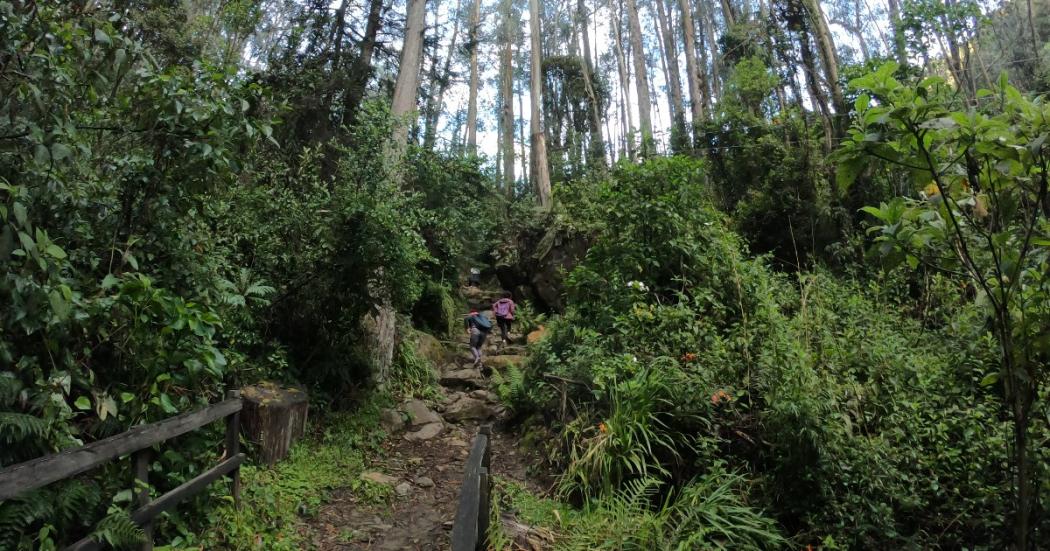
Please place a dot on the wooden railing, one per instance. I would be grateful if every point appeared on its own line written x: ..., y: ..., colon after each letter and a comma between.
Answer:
x: 28, y: 476
x: 469, y: 532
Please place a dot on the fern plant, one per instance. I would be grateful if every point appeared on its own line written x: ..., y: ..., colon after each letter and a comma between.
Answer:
x: 510, y: 387
x: 62, y: 506
x: 118, y: 530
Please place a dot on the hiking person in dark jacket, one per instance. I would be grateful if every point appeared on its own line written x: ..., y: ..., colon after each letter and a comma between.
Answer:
x: 504, y: 309
x: 478, y: 327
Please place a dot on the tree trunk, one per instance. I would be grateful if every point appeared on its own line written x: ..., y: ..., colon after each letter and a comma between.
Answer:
x: 436, y: 101
x: 625, y: 104
x: 521, y: 138
x: 711, y: 39
x: 728, y: 14
x: 406, y: 89
x: 641, y: 79
x: 506, y: 80
x: 816, y: 93
x: 858, y: 31
x: 596, y: 149
x: 541, y: 177
x: 381, y: 324
x: 361, y: 71
x: 472, y: 102
x: 693, y: 75
x: 899, y: 49
x: 675, y: 81
x: 1031, y: 29
x: 828, y: 58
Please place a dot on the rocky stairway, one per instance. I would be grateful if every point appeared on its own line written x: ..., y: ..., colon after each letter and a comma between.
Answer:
x: 424, y: 457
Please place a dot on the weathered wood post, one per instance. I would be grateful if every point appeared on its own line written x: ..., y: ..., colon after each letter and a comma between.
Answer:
x: 141, y: 459
x: 274, y: 418
x: 233, y: 447
x: 484, y: 489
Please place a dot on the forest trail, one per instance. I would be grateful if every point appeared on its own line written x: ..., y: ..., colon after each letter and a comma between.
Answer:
x: 423, y: 459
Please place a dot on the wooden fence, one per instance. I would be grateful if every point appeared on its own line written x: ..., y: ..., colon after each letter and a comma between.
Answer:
x: 469, y: 532
x: 24, y: 477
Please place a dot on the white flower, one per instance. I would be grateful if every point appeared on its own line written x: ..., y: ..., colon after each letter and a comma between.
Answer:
x: 637, y: 285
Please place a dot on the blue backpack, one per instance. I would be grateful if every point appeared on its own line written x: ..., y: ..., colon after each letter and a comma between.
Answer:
x: 482, y: 321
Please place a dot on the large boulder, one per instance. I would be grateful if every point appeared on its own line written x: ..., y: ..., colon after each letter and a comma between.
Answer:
x: 467, y: 408
x: 391, y: 420
x: 418, y: 413
x: 505, y: 360
x: 426, y: 432
x: 429, y: 347
x: 535, y: 264
x: 464, y: 378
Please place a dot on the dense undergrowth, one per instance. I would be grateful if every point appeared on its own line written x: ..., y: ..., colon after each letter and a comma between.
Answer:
x: 165, y: 237
x: 174, y: 224
x: 830, y: 409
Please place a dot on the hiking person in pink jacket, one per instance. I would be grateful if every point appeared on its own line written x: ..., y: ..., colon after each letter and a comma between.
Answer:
x: 504, y: 311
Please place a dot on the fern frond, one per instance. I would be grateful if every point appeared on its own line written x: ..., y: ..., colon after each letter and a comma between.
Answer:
x: 17, y: 427
x: 10, y: 386
x: 118, y: 530
x: 21, y: 512
x: 73, y: 499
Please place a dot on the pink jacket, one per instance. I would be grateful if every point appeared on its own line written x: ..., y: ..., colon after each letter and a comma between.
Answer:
x: 504, y: 308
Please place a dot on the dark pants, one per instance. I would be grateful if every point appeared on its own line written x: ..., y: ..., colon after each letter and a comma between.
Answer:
x: 504, y: 327
x: 477, y: 340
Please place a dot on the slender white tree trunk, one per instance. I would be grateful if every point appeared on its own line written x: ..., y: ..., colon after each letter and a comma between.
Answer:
x: 641, y: 80
x: 541, y: 177
x: 696, y: 102
x: 472, y: 103
x: 506, y: 80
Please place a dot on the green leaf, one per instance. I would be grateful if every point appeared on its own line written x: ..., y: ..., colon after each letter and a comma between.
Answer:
x: 20, y: 213
x: 166, y: 405
x: 102, y: 37
x: 60, y: 151
x: 83, y: 403
x: 990, y: 379
x: 862, y: 102
x: 847, y: 172
x: 109, y: 281
x: 55, y: 251
x: 126, y: 397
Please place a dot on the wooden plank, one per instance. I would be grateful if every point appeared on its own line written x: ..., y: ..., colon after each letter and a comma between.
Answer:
x: 185, y: 490
x: 145, y: 515
x: 483, y: 509
x: 42, y: 471
x: 465, y: 527
x: 233, y: 447
x: 141, y: 459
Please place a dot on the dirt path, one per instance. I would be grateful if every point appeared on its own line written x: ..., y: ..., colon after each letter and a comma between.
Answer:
x: 423, y: 468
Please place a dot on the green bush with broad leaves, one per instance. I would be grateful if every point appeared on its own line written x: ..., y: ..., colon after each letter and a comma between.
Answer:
x: 159, y: 246
x: 980, y: 215
x: 851, y: 422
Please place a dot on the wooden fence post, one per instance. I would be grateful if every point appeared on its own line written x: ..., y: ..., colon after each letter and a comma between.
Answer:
x: 483, y: 509
x: 141, y: 459
x: 233, y: 447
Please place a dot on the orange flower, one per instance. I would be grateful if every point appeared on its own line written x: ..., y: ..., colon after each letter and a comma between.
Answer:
x: 602, y: 428
x: 688, y: 357
x: 720, y: 397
